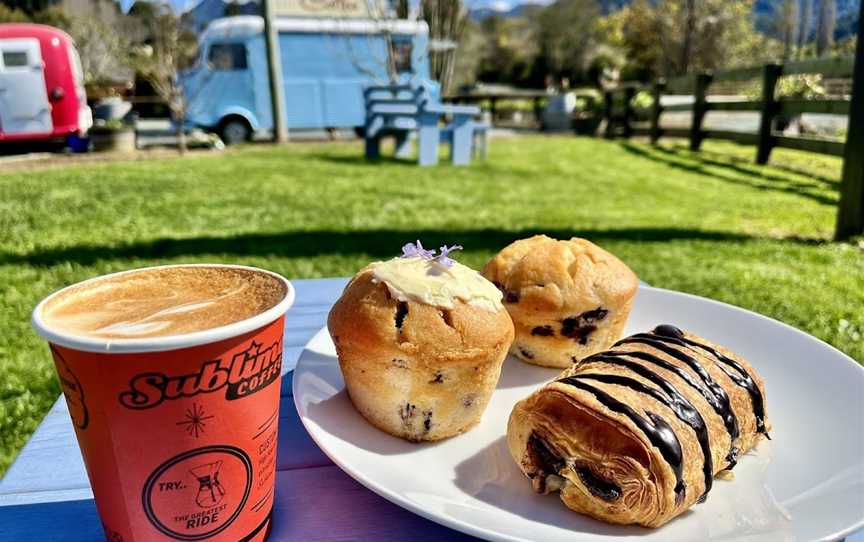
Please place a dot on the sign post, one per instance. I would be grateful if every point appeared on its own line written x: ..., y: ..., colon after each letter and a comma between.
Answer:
x: 274, y: 69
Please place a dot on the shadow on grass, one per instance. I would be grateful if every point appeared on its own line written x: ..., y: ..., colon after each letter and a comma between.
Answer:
x: 375, y: 243
x: 360, y: 160
x: 748, y: 165
x: 753, y: 178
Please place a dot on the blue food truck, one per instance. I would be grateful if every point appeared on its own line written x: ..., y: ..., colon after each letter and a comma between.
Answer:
x: 326, y: 63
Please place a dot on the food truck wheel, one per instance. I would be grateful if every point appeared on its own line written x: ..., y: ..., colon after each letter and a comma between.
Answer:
x: 234, y: 130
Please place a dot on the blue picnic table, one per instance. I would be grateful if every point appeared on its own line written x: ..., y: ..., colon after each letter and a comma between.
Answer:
x: 46, y: 495
x: 399, y: 111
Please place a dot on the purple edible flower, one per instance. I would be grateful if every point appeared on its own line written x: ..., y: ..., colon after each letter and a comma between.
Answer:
x: 444, y: 258
x: 410, y: 250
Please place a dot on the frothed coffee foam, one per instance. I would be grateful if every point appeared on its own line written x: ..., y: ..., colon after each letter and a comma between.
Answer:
x: 163, y: 301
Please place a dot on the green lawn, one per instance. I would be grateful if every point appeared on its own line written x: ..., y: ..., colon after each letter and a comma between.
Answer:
x: 714, y: 225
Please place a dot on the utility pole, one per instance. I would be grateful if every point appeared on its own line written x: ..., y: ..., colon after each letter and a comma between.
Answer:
x: 850, y: 215
x: 274, y: 69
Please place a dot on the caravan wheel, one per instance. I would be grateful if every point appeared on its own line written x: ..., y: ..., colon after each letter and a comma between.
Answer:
x: 234, y: 130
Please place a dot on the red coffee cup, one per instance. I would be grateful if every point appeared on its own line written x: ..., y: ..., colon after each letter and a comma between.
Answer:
x: 178, y: 432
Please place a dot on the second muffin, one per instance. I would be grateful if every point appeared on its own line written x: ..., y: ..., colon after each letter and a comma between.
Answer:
x: 568, y: 299
x: 420, y: 345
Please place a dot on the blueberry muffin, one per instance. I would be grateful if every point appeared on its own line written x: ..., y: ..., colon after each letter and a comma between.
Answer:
x: 420, y: 345
x: 568, y: 299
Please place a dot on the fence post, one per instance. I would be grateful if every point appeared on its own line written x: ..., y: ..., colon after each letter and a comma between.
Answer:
x: 770, y: 74
x: 700, y: 107
x: 608, y: 104
x: 657, y: 110
x: 629, y: 92
x: 850, y: 213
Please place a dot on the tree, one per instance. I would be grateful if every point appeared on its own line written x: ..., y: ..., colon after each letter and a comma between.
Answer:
x: 102, y: 50
x: 509, y: 51
x: 28, y: 7
x: 655, y: 41
x: 168, y: 49
x: 446, y: 20
x: 825, y: 26
x: 11, y: 15
x: 789, y: 20
x: 805, y: 28
x: 566, y: 38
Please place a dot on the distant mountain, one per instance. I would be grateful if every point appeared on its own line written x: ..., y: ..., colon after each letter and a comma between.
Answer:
x: 480, y: 9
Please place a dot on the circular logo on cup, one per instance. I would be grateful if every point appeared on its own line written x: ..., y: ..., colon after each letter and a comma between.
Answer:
x: 198, y: 493
x: 73, y: 391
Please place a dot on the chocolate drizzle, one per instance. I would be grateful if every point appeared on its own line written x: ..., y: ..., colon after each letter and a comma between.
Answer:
x: 658, y: 431
x: 717, y: 396
x: 683, y: 409
x: 740, y: 376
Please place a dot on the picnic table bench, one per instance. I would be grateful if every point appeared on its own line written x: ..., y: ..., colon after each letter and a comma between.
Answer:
x: 399, y: 111
x: 46, y: 496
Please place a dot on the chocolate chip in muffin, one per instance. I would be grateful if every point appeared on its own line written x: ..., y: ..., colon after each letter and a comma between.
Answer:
x: 543, y: 331
x: 526, y: 353
x: 406, y: 412
x: 468, y: 400
x: 438, y: 378
x: 581, y: 327
x: 595, y: 315
x: 401, y: 313
x: 580, y: 334
x: 427, y: 420
x: 510, y: 296
x: 399, y: 363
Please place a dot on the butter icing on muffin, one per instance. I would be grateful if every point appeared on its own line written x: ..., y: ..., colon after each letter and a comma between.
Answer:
x: 420, y: 341
x: 568, y: 299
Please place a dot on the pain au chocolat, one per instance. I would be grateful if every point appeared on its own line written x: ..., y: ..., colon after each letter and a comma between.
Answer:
x: 635, y: 434
x: 420, y: 342
x: 568, y: 298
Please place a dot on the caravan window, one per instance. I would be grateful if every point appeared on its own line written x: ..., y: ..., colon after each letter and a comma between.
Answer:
x: 401, y: 52
x: 227, y: 56
x: 15, y: 59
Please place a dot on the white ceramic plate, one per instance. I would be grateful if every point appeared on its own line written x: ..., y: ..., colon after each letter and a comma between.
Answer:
x: 805, y: 484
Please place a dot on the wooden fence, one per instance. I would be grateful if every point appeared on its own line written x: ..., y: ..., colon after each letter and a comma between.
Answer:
x: 619, y: 115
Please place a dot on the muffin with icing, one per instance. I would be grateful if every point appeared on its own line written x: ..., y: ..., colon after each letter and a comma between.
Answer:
x: 568, y: 299
x: 420, y: 340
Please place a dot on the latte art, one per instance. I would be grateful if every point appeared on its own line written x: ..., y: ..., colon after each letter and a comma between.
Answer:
x: 163, y: 301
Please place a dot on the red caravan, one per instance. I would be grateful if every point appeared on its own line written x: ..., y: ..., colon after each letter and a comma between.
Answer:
x: 42, y: 94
